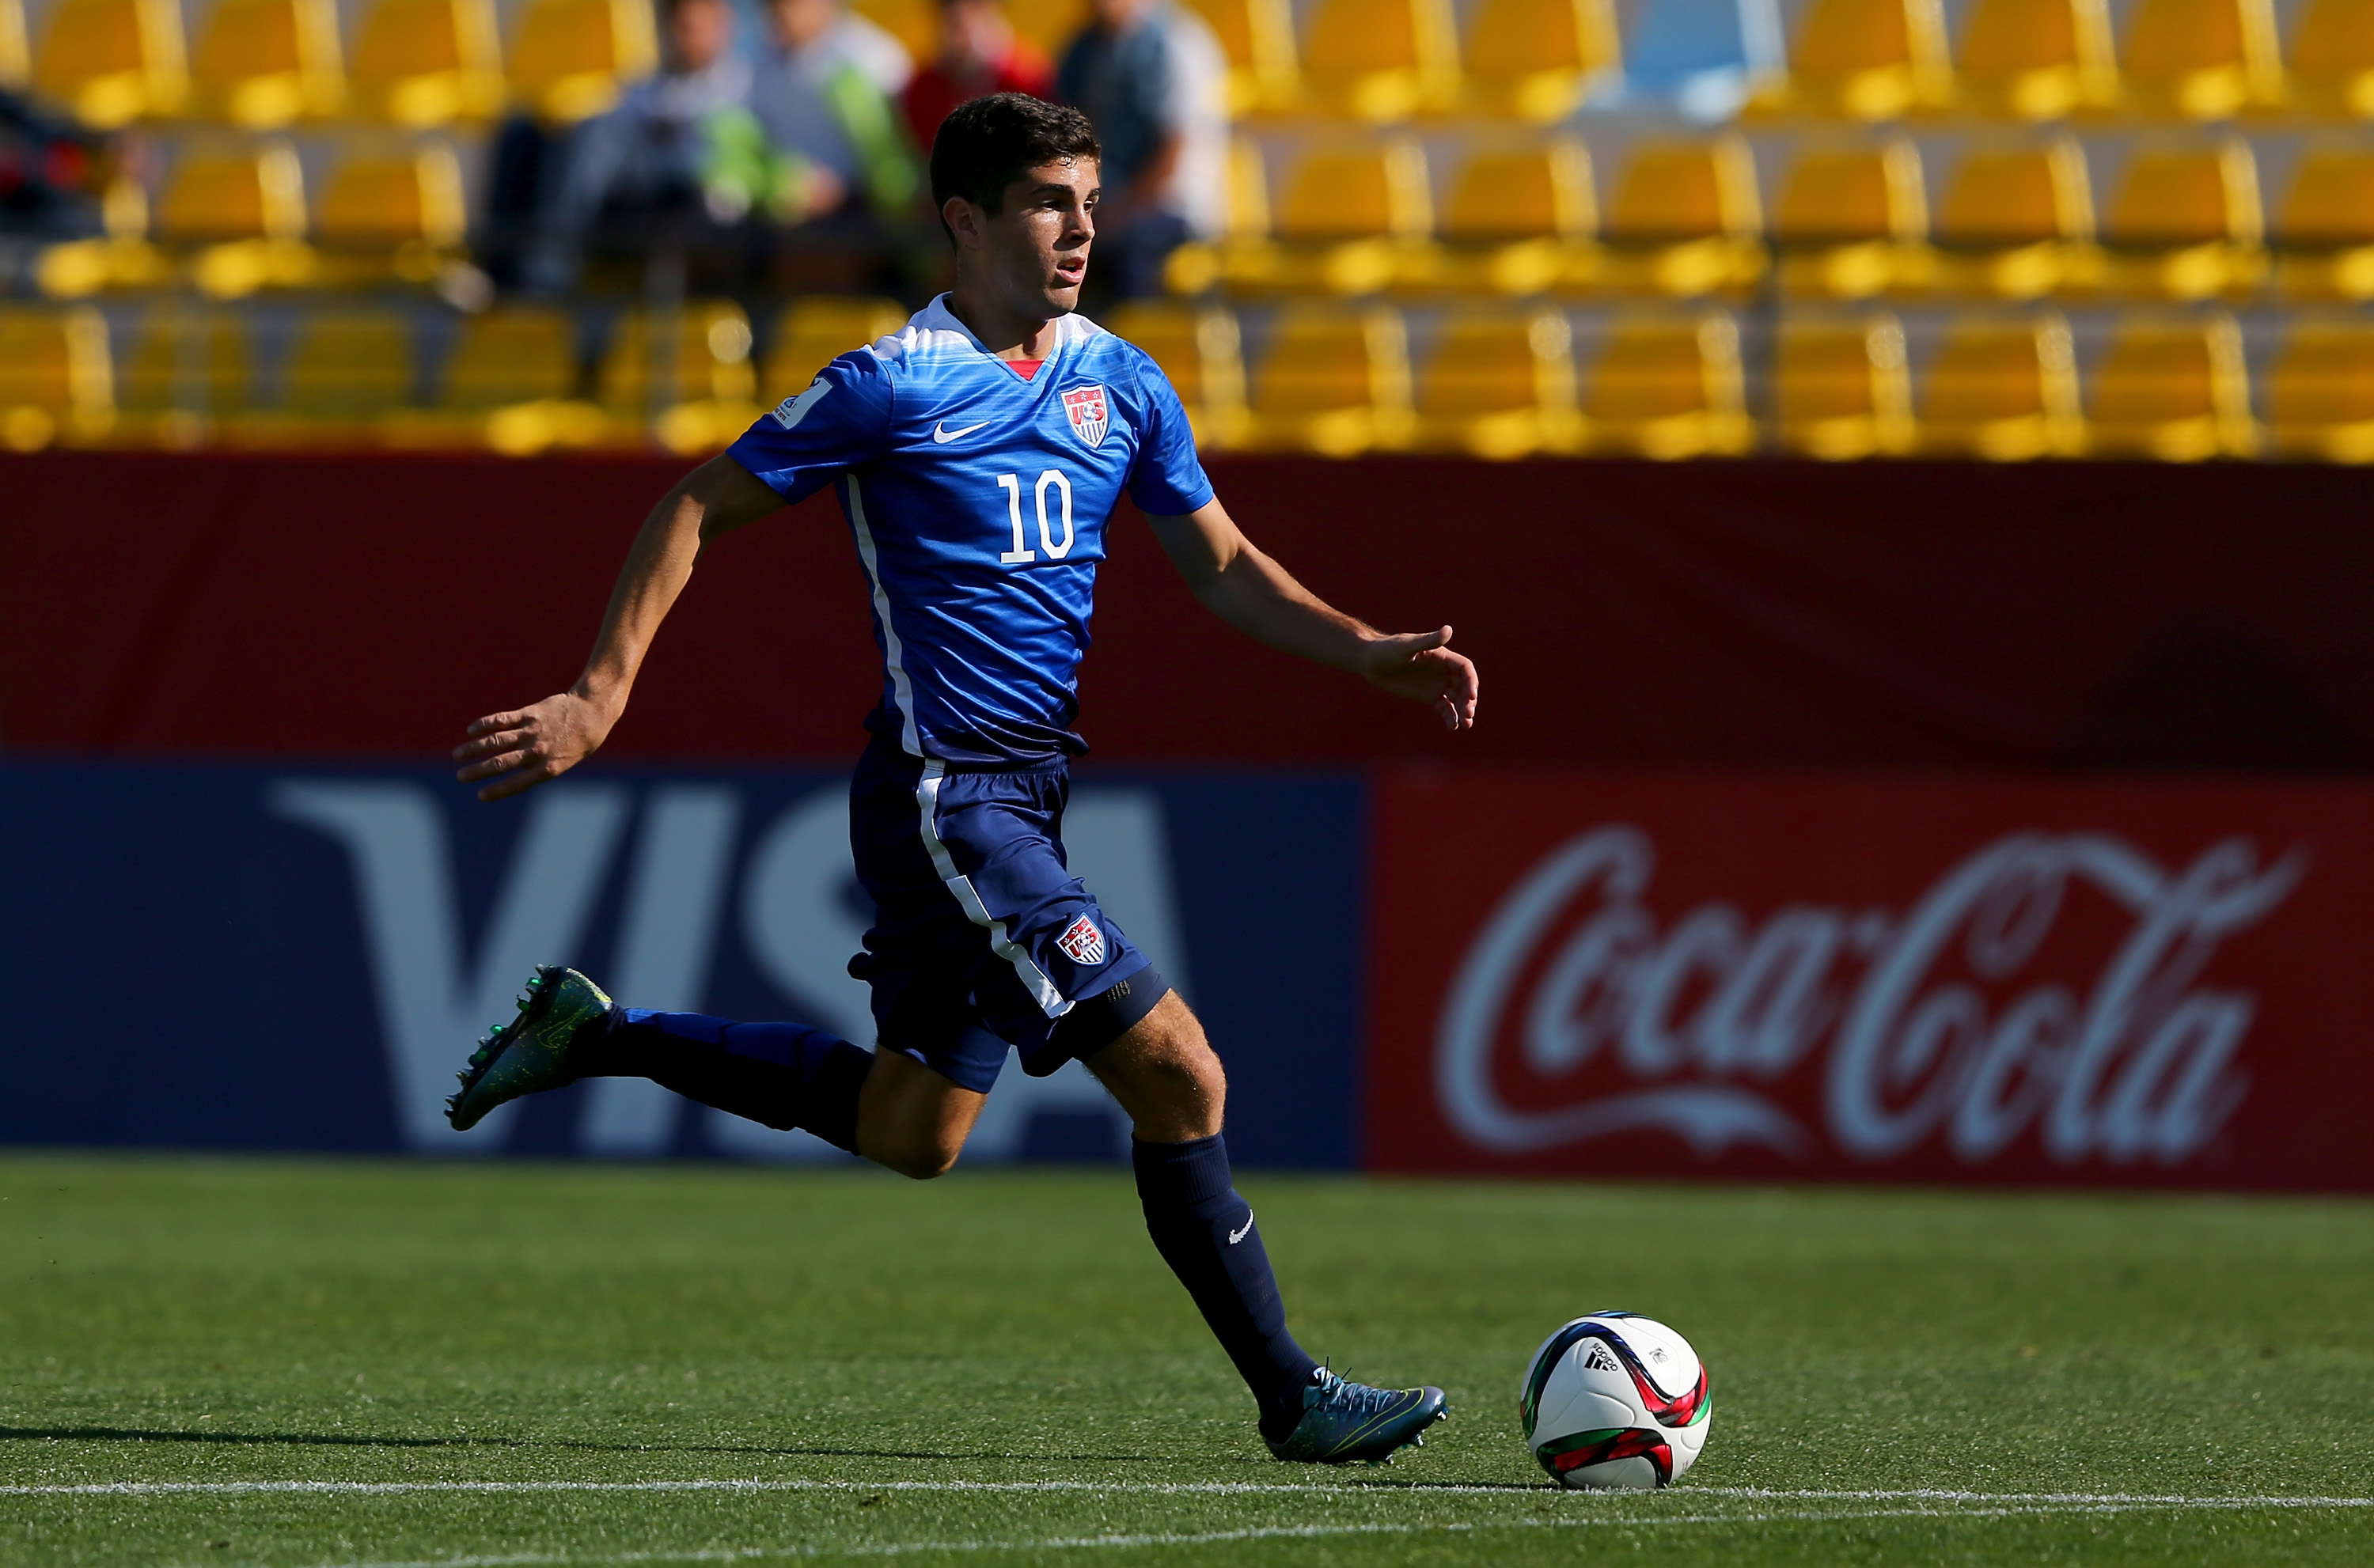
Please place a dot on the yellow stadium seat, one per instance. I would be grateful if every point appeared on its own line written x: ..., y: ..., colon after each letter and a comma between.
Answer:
x: 2017, y: 222
x: 1517, y: 220
x: 1050, y: 24
x: 568, y: 58
x: 1535, y: 59
x: 914, y: 23
x: 56, y: 380
x: 1196, y: 266
x: 509, y: 385
x: 2332, y: 59
x: 2186, y: 224
x: 16, y: 52
x: 1335, y: 380
x: 188, y: 370
x: 262, y: 63
x: 113, y: 61
x: 239, y: 210
x: 427, y: 62
x: 1841, y: 389
x: 1199, y: 349
x: 1258, y: 38
x: 1351, y: 214
x: 345, y: 372
x: 2203, y: 59
x: 1499, y: 384
x: 1865, y: 59
x: 2327, y: 230
x: 390, y: 213
x: 1669, y: 388
x: 1851, y: 220
x: 2321, y: 393
x: 812, y: 332
x: 702, y: 391
x: 1380, y: 59
x: 2003, y: 390
x: 2173, y: 390
x: 2036, y: 59
x: 1685, y: 220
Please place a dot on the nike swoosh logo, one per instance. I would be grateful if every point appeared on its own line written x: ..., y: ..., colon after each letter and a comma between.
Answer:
x: 943, y: 435
x: 1236, y: 1236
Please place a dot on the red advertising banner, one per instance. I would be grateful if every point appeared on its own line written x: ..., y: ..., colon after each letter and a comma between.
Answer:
x: 2117, y: 983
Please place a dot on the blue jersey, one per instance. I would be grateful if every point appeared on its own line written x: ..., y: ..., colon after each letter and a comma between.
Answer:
x: 979, y: 501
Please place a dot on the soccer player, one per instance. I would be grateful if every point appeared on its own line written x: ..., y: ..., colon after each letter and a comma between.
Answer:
x: 978, y: 454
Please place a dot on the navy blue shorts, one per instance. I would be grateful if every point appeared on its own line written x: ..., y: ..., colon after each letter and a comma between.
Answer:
x: 982, y: 936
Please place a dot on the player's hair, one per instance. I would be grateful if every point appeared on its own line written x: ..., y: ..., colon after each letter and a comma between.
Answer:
x: 987, y: 143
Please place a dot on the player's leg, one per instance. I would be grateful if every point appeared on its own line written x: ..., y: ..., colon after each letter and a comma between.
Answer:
x: 1166, y: 1076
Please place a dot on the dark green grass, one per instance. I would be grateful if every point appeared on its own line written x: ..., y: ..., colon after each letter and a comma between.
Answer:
x: 196, y: 1321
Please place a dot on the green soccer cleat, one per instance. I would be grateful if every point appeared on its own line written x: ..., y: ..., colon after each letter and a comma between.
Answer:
x: 529, y: 1054
x: 1344, y: 1421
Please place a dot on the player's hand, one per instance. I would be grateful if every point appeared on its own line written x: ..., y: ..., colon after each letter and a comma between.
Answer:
x: 519, y: 751
x: 1420, y: 665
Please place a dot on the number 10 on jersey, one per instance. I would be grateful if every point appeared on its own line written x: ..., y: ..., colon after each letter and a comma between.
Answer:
x: 1050, y: 480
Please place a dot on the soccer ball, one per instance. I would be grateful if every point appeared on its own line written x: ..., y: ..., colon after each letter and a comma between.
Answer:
x: 1616, y: 1402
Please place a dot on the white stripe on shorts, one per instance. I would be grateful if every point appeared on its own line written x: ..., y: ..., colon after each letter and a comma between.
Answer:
x: 1034, y: 979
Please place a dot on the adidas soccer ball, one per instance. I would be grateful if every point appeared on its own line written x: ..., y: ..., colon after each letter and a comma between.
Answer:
x: 1616, y: 1402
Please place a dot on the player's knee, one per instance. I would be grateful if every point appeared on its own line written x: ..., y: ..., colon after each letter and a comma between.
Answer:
x: 1166, y: 1075
x: 918, y: 1158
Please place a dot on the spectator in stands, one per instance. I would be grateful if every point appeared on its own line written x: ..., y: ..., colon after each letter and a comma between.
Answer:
x: 825, y: 92
x: 638, y: 170
x: 980, y: 54
x: 1152, y: 80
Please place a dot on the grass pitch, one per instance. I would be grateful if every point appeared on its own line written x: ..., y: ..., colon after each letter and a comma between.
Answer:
x: 297, y: 1364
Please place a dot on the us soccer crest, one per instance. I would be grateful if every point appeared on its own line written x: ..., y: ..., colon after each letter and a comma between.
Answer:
x: 1085, y: 407
x: 1081, y: 941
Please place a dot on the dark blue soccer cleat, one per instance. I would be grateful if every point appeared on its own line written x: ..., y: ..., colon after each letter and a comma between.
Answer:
x: 529, y: 1054
x: 1344, y: 1421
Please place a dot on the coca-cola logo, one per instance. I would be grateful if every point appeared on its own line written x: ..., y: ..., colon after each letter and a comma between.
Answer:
x: 2050, y: 986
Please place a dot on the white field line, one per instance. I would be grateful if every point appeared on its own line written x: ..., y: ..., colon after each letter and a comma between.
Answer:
x: 1314, y: 1532
x: 1347, y: 1488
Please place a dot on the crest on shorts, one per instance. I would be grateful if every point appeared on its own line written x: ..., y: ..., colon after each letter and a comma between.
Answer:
x: 1082, y: 943
x: 1085, y: 407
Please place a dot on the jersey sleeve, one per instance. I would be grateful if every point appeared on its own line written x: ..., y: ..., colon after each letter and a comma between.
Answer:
x: 804, y: 442
x: 1167, y: 478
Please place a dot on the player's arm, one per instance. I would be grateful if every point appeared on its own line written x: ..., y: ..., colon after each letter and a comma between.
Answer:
x: 1259, y: 597
x: 516, y: 751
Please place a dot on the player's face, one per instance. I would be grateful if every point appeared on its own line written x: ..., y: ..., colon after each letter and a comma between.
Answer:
x: 1035, y: 247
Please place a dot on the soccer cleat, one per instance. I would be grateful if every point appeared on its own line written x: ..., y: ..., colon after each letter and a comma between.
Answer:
x: 1343, y: 1421
x: 529, y: 1054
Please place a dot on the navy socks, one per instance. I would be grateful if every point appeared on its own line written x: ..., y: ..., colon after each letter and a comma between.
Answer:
x: 1204, y: 1231
x: 784, y: 1075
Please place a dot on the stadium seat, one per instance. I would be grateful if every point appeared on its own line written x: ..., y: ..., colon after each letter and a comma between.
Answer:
x: 237, y: 210
x: 2332, y: 59
x: 1334, y: 380
x: 346, y: 371
x: 1841, y: 387
x: 2321, y: 393
x: 2003, y: 390
x: 568, y: 58
x: 188, y: 370
x: 1852, y: 220
x: 393, y: 213
x: 16, y: 51
x: 1258, y: 38
x: 1499, y: 383
x: 56, y: 378
x: 810, y: 334
x: 914, y: 23
x: 2326, y: 233
x: 1050, y: 24
x: 509, y: 385
x: 1199, y: 349
x: 2202, y: 59
x: 113, y: 61
x: 1195, y: 267
x: 702, y: 393
x: 262, y: 63
x: 1518, y: 218
x: 2186, y: 225
x: 1379, y: 60
x: 1533, y: 59
x: 120, y: 257
x: 2015, y: 223
x: 2036, y: 59
x: 1668, y: 388
x: 1351, y: 214
x: 1685, y: 220
x: 427, y: 62
x: 1865, y: 59
x: 2176, y: 390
